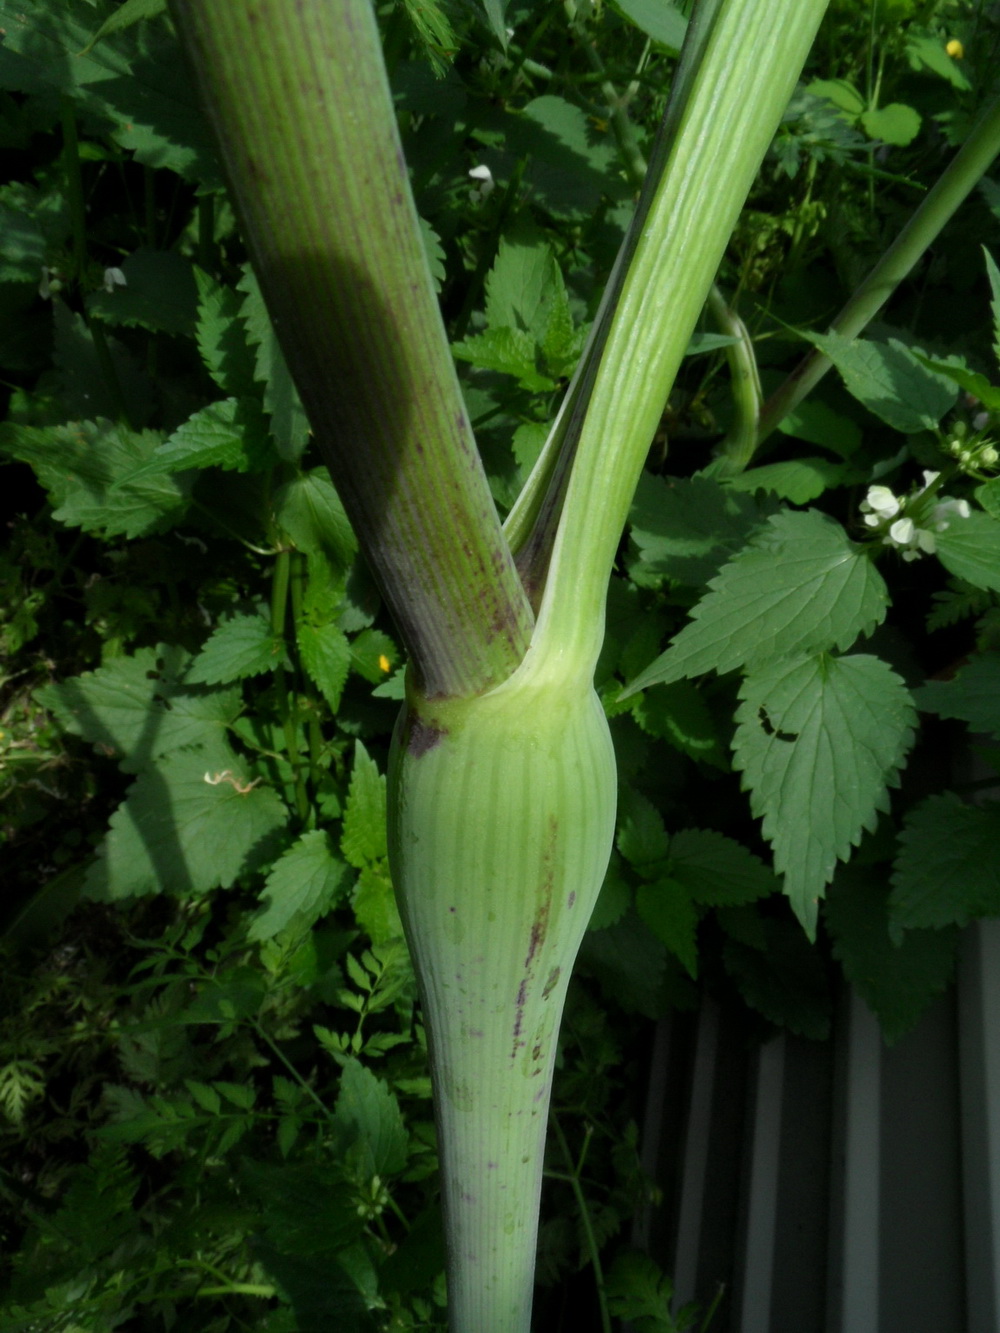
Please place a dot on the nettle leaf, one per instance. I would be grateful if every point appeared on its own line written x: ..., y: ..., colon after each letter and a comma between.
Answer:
x: 310, y: 512
x: 973, y: 695
x: 818, y: 423
x: 797, y: 479
x: 948, y: 868
x: 508, y: 351
x: 956, y: 369
x: 368, y: 1109
x: 138, y: 708
x: 364, y: 838
x: 896, y: 981
x: 374, y: 905
x: 230, y: 434
x: 667, y: 908
x: 819, y: 739
x: 637, y: 1289
x: 33, y: 225
x: 289, y: 424
x: 159, y: 294
x: 718, y: 871
x: 686, y: 528
x: 572, y: 163
x: 221, y: 335
x: 88, y: 467
x: 246, y: 645
x: 801, y: 585
x: 304, y: 884
x: 969, y: 548
x: 993, y: 273
x: 785, y: 980
x: 195, y: 822
x: 677, y: 713
x: 890, y: 381
x: 642, y: 838
x: 663, y: 22
x: 326, y: 655
x: 131, y: 11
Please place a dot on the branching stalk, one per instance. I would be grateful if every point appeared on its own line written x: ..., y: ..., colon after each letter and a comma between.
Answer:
x: 955, y: 184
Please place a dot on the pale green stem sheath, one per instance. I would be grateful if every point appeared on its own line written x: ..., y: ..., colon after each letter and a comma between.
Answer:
x: 949, y: 192
x: 749, y: 54
x: 738, y: 447
x: 297, y: 93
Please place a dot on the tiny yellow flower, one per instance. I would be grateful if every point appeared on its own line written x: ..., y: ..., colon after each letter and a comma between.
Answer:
x: 955, y: 49
x: 384, y: 663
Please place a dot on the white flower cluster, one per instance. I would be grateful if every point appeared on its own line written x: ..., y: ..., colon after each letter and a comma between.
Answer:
x: 913, y: 533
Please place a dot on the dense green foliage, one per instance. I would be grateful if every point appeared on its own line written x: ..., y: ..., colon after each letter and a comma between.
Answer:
x: 214, y: 1102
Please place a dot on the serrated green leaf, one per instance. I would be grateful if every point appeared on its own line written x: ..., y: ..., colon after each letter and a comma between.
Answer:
x: 817, y: 423
x: 131, y: 11
x: 245, y: 645
x: 973, y: 695
x: 969, y: 548
x: 159, y: 294
x: 304, y: 884
x: 797, y: 479
x: 495, y: 12
x: 192, y: 824
x: 221, y: 335
x: 666, y: 907
x: 799, y: 586
x: 289, y: 424
x: 369, y: 1110
x: 507, y: 351
x: 434, y: 253
x: 948, y: 868
x: 686, y: 528
x: 364, y: 839
x: 819, y: 739
x: 677, y: 713
x: 637, y: 1289
x: 971, y: 381
x: 895, y: 123
x: 520, y: 284
x: 86, y: 466
x: 326, y: 655
x: 661, y: 21
x: 370, y: 652
x: 33, y: 225
x: 137, y: 708
x: 310, y: 512
x: 896, y: 981
x: 993, y: 273
x: 785, y: 981
x: 889, y: 380
x: 572, y: 164
x: 642, y: 838
x: 718, y: 871
x: 230, y: 434
x: 375, y: 907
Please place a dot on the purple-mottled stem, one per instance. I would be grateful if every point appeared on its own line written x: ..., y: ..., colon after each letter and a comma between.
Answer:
x: 297, y: 94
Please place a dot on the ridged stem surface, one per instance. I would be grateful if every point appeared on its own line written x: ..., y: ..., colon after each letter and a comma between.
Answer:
x: 301, y: 106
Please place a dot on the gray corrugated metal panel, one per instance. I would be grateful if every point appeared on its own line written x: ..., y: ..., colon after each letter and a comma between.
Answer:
x: 855, y: 1279
x: 758, y: 1259
x: 921, y: 1229
x: 979, y: 1051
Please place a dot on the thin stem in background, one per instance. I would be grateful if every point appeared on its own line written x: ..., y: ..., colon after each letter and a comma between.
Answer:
x: 954, y: 186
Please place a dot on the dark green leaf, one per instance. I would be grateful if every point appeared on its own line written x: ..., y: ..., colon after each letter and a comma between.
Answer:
x: 786, y: 981
x: 718, y: 871
x: 367, y: 1107
x: 889, y: 380
x: 819, y: 740
x: 896, y: 981
x: 363, y: 839
x: 302, y: 886
x: 245, y: 645
x: 686, y: 529
x: 948, y: 868
x: 159, y: 294
x: 800, y: 586
x: 972, y: 695
x: 970, y: 549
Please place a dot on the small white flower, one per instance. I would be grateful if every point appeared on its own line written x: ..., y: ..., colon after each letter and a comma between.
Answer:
x: 901, y: 532
x: 483, y: 174
x: 980, y: 421
x: 114, y: 277
x: 946, y: 510
x: 881, y: 504
x: 989, y: 456
x: 930, y: 478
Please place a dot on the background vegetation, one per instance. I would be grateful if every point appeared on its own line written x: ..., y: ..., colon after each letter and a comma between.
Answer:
x: 214, y: 1104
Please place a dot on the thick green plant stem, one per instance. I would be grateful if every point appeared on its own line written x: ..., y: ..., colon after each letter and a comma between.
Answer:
x: 738, y: 70
x: 955, y: 184
x: 302, y: 111
x: 501, y: 820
